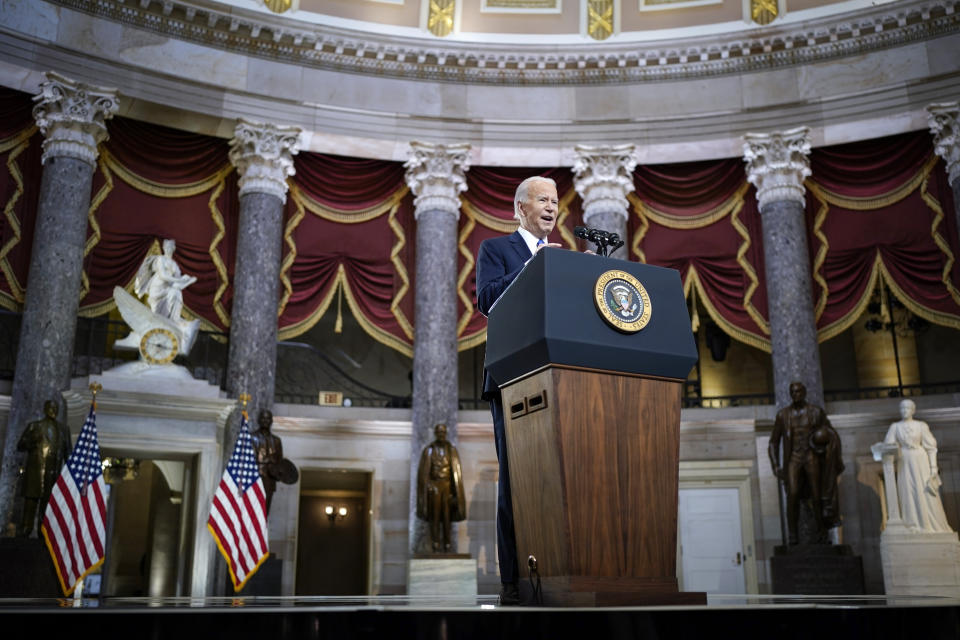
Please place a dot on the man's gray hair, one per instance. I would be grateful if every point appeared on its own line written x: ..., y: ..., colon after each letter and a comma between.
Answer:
x: 524, y: 189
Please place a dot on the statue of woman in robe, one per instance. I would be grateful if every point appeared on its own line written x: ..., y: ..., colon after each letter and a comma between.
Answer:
x: 918, y: 479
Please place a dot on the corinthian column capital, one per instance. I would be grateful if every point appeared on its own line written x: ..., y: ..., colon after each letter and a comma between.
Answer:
x: 72, y: 117
x: 944, y: 120
x: 777, y: 164
x: 436, y: 175
x: 263, y: 155
x: 603, y: 176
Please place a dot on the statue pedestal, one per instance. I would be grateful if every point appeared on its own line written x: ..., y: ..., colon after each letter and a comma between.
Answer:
x: 27, y: 569
x: 816, y: 569
x: 265, y: 582
x: 451, y: 574
x: 916, y: 563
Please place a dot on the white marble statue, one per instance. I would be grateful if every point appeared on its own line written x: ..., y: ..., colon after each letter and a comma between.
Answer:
x: 160, y: 279
x: 167, y: 334
x: 918, y: 479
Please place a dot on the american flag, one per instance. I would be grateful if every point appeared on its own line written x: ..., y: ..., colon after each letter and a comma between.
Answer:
x: 74, y: 522
x: 238, y: 515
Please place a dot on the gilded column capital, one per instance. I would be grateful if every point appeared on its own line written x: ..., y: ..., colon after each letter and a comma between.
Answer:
x: 72, y: 117
x: 777, y: 164
x: 263, y: 155
x: 944, y: 120
x: 603, y: 176
x: 436, y: 175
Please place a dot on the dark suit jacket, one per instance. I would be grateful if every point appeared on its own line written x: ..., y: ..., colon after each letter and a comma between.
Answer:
x: 498, y: 263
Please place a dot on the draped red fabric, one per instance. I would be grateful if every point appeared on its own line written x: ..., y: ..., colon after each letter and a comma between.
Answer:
x: 165, y: 155
x: 700, y: 216
x: 352, y: 239
x: 490, y: 191
x: 898, y: 207
x: 164, y: 162
x: 20, y: 173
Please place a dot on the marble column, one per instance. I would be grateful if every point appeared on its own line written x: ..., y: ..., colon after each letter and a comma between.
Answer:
x: 435, y: 174
x: 944, y: 119
x: 72, y: 118
x: 263, y: 155
x: 777, y: 165
x: 603, y: 176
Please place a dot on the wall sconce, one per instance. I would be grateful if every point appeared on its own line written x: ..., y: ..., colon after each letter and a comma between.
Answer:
x: 333, y: 513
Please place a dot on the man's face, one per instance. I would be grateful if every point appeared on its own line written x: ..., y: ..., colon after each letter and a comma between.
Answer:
x: 440, y: 432
x: 797, y: 392
x: 265, y: 419
x: 538, y: 213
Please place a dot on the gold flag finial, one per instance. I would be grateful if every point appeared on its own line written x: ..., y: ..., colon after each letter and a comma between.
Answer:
x: 95, y: 388
x: 244, y: 398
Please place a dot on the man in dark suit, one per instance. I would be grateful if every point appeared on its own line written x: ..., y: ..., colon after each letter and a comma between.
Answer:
x: 499, y: 261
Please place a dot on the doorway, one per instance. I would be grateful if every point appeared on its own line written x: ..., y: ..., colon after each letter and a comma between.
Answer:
x: 149, y: 549
x: 333, y: 534
x: 715, y: 541
x: 711, y: 542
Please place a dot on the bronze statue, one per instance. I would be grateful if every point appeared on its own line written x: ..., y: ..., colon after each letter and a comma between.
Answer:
x: 269, y: 452
x: 810, y: 466
x: 440, y: 498
x: 47, y: 443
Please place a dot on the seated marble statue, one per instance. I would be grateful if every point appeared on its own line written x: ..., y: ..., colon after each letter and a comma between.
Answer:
x: 160, y: 279
x: 918, y: 479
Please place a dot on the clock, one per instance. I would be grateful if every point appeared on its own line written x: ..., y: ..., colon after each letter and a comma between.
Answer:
x: 159, y: 346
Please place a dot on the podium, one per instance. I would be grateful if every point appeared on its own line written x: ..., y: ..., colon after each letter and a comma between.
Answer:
x: 592, y: 419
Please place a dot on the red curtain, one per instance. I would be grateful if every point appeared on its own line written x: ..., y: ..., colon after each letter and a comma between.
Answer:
x: 349, y: 241
x: 701, y: 219
x: 20, y: 172
x: 882, y: 209
x: 875, y: 209
x: 154, y: 183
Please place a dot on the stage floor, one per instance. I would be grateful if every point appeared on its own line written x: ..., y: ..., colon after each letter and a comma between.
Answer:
x: 767, y: 617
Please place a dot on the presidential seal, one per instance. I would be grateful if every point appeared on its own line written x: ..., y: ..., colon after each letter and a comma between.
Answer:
x: 622, y: 301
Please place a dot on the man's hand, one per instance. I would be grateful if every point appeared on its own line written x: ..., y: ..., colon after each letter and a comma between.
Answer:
x: 554, y: 245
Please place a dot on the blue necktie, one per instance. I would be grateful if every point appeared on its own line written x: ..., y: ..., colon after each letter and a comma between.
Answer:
x: 540, y: 242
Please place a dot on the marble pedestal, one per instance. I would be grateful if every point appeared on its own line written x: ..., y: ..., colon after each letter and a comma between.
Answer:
x: 917, y: 563
x: 27, y: 569
x: 450, y: 576
x: 816, y: 569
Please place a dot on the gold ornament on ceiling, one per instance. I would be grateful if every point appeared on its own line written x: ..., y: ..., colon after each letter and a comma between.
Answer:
x: 440, y: 20
x: 763, y: 11
x: 278, y: 6
x: 600, y: 19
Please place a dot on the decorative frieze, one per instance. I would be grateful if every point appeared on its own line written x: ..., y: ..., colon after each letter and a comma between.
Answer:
x: 777, y: 164
x: 944, y: 122
x: 72, y: 116
x: 436, y: 175
x: 263, y: 155
x: 627, y: 60
x: 603, y: 176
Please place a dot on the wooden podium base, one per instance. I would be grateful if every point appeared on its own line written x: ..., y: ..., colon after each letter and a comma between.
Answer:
x: 576, y: 591
x: 594, y: 465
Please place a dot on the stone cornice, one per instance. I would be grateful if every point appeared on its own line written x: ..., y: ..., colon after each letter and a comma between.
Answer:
x: 751, y: 49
